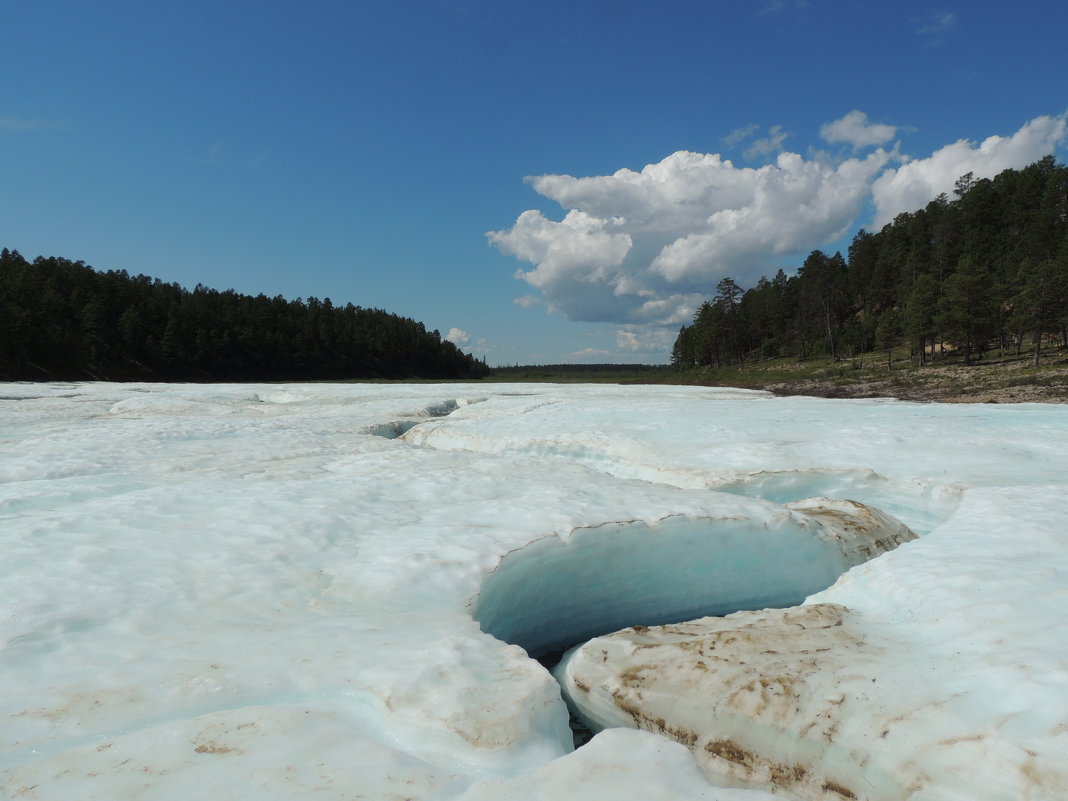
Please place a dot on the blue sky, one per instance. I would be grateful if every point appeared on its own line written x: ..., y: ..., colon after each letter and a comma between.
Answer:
x: 378, y: 152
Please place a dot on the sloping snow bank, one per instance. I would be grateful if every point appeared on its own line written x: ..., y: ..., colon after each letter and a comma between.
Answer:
x: 938, y: 671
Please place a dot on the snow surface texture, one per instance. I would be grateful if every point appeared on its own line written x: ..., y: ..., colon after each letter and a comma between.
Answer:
x: 271, y: 591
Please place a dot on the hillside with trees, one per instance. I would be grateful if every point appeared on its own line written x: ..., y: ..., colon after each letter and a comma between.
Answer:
x: 985, y: 270
x: 64, y: 320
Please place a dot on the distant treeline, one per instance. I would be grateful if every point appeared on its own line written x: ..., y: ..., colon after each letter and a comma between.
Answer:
x: 985, y: 269
x: 64, y: 320
x: 576, y: 372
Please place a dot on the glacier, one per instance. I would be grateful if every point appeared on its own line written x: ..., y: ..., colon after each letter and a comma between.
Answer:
x: 335, y: 590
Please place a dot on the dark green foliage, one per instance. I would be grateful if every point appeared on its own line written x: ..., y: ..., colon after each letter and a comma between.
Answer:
x: 684, y: 352
x: 887, y: 334
x: 921, y: 311
x: 979, y: 271
x: 1041, y: 304
x: 968, y: 312
x: 63, y: 320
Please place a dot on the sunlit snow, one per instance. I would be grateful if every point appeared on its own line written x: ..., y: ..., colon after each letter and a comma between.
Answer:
x: 275, y: 591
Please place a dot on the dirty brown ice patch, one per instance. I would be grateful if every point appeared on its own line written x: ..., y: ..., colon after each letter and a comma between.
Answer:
x: 909, y: 689
x: 734, y: 689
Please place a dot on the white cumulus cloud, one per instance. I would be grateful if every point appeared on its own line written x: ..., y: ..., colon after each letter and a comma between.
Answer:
x: 913, y: 185
x: 645, y: 339
x: 645, y: 248
x: 627, y: 340
x: 855, y: 129
x: 457, y: 336
x: 796, y: 204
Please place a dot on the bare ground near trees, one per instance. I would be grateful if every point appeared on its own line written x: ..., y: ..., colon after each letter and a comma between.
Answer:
x: 999, y: 379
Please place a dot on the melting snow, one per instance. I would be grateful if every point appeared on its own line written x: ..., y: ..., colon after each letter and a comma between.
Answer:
x: 271, y: 591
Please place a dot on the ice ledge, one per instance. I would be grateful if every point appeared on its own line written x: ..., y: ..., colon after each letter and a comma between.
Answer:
x: 555, y: 592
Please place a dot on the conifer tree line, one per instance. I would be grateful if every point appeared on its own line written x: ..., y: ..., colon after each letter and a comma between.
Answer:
x: 64, y: 320
x: 986, y: 269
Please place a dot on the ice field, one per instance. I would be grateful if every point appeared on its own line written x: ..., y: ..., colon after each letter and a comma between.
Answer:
x: 331, y: 591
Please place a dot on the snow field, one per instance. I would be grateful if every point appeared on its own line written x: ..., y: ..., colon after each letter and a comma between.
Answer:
x: 271, y: 590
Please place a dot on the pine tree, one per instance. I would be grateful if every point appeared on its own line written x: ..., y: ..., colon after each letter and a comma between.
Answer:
x: 968, y: 310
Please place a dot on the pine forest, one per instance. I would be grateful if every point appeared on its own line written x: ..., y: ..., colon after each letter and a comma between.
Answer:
x: 984, y: 270
x: 63, y: 320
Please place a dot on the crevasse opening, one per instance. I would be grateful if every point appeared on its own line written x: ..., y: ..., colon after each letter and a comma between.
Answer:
x: 395, y: 429
x: 556, y: 592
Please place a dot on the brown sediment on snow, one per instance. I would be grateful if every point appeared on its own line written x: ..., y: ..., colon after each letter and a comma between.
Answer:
x: 745, y: 679
x: 810, y: 702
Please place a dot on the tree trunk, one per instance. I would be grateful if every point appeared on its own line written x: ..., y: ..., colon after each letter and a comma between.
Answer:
x: 830, y: 330
x: 1038, y: 346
